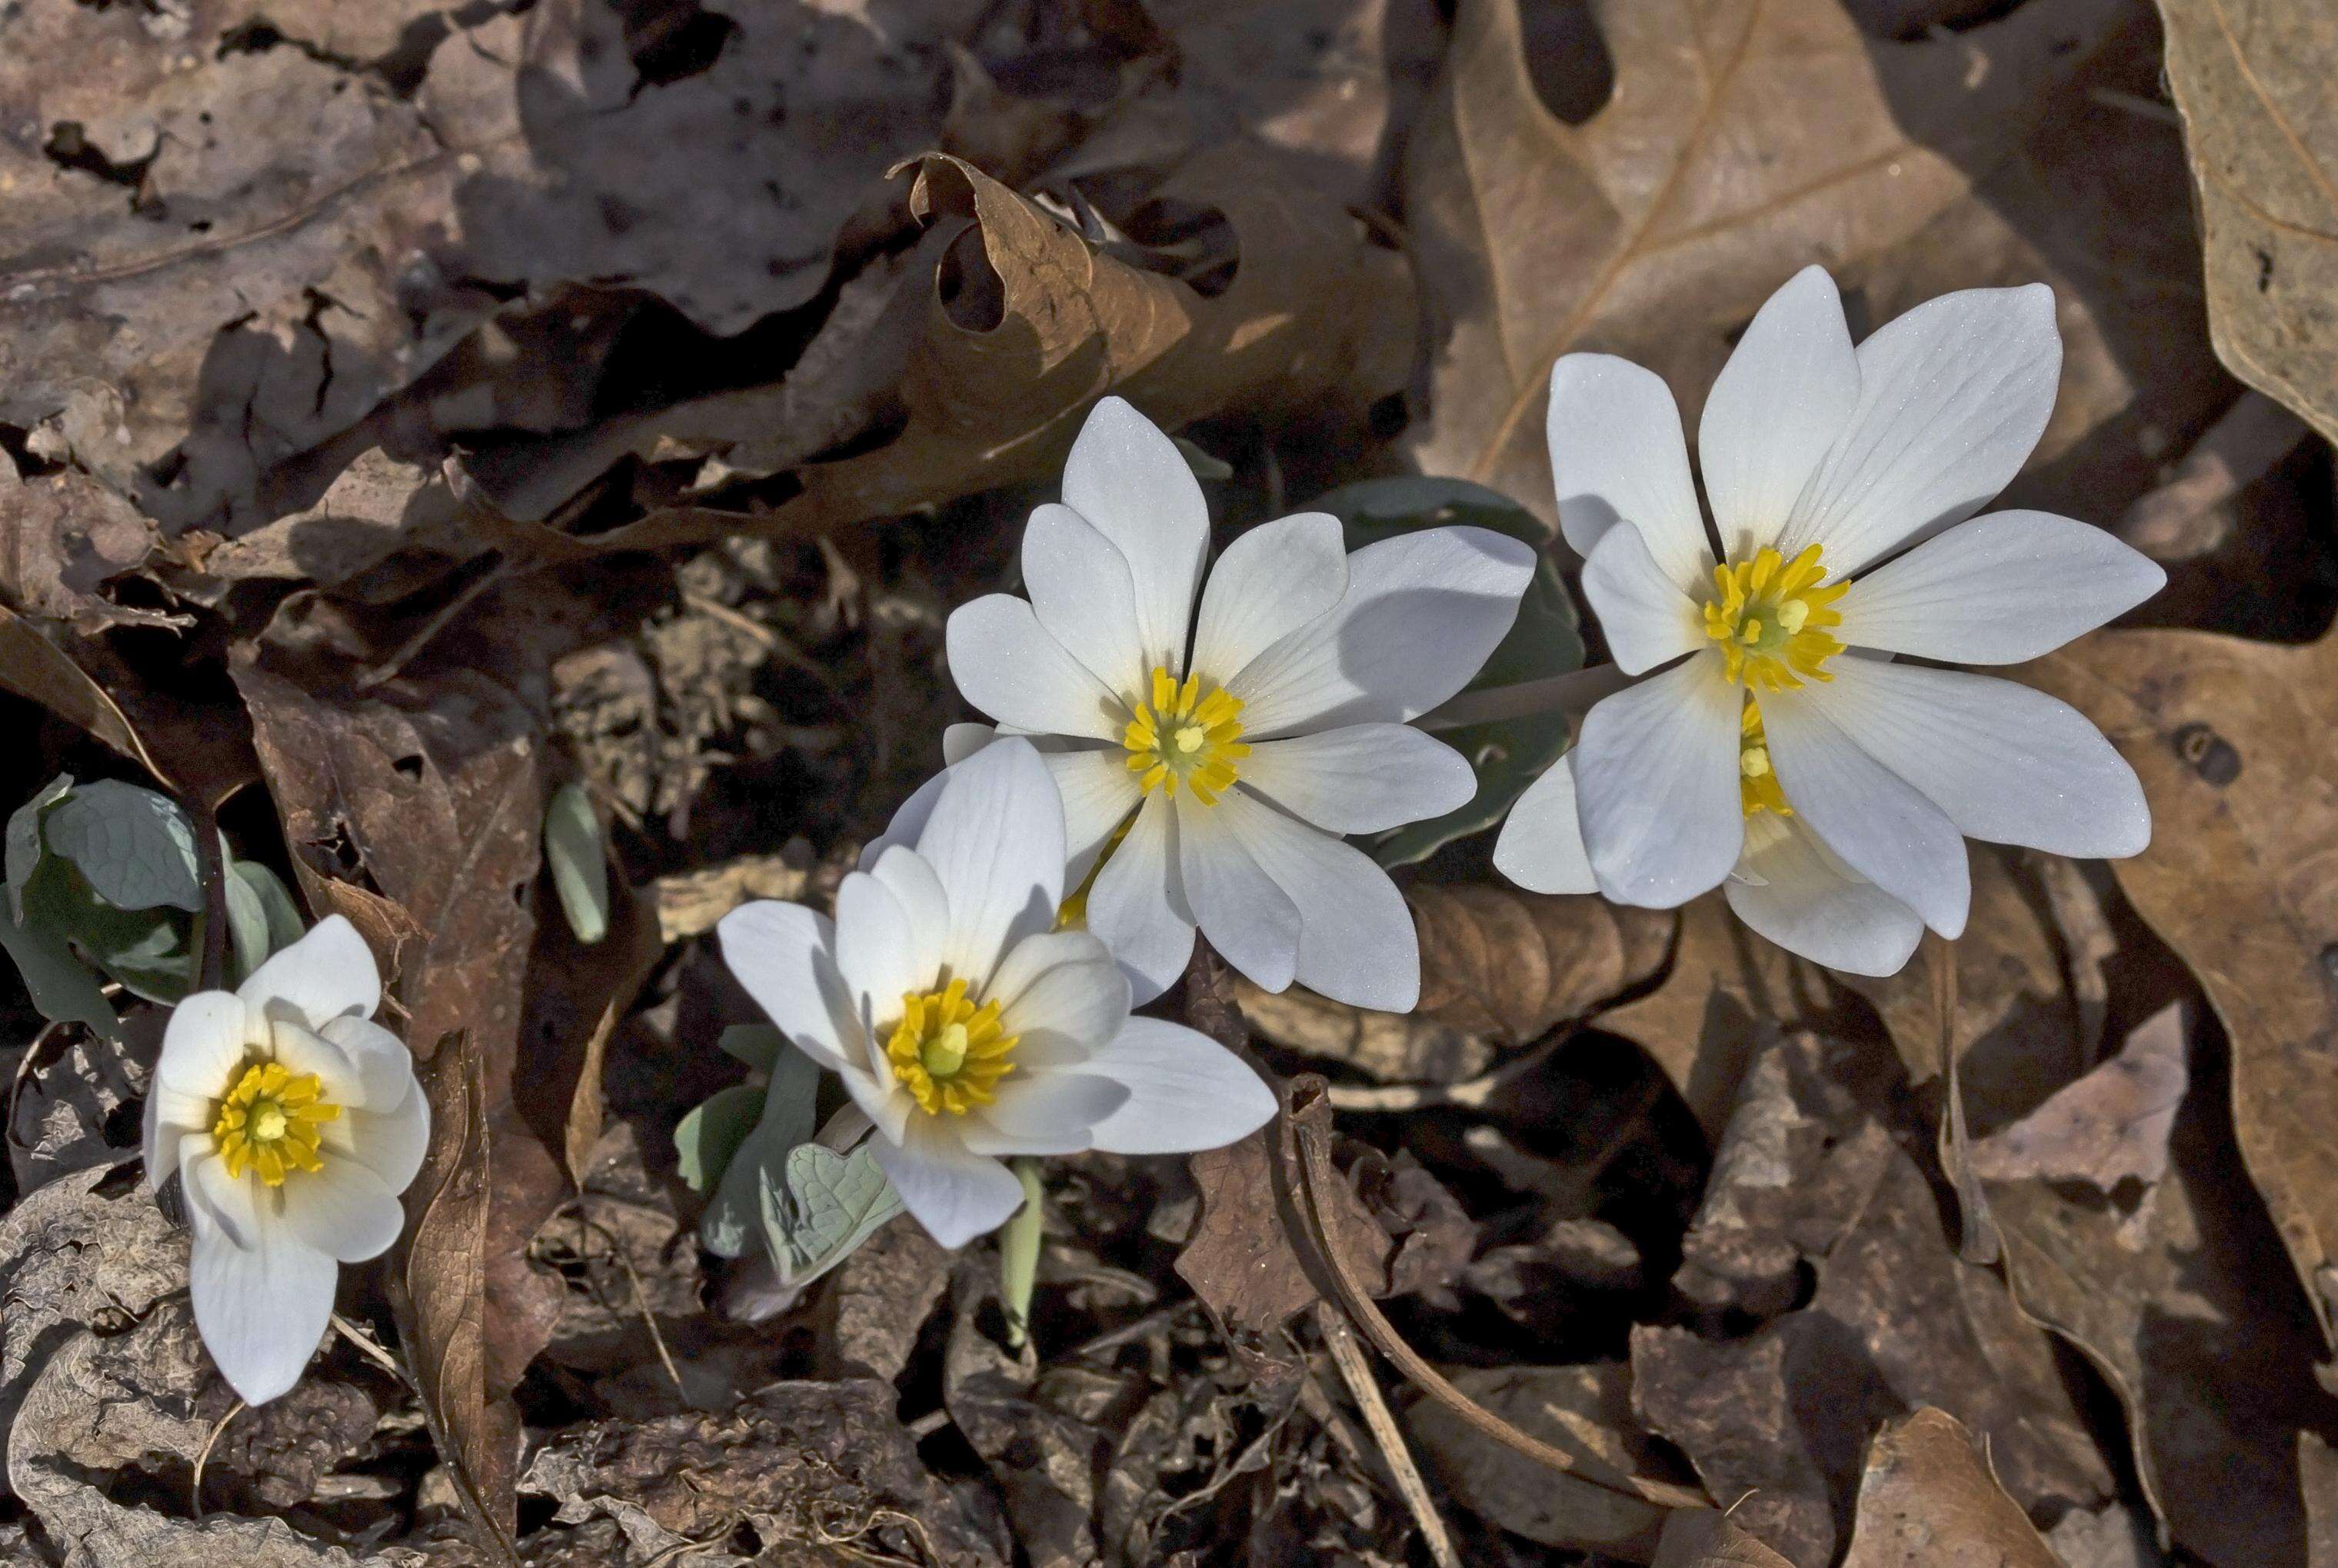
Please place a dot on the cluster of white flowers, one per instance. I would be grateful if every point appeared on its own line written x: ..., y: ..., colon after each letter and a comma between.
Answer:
x: 1177, y: 749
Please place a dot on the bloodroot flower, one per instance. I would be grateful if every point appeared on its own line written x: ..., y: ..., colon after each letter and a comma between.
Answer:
x: 1230, y: 753
x: 1776, y: 747
x: 964, y: 1025
x: 293, y: 1123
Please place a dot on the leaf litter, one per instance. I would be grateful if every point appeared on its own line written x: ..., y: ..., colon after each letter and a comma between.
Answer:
x: 417, y: 419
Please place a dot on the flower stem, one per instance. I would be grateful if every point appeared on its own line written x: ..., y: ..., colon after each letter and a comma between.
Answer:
x: 1572, y: 693
x: 1018, y: 1254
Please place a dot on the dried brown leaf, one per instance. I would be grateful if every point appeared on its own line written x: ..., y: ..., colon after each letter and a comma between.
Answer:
x: 2255, y: 80
x: 1728, y: 991
x: 1928, y: 1501
x: 2110, y: 1126
x: 1737, y: 130
x: 1584, y: 1411
x: 1703, y: 1539
x: 2230, y: 738
x: 62, y: 536
x: 2317, y: 1475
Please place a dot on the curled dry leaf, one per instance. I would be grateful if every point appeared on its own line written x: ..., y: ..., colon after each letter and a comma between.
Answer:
x: 1656, y: 228
x: 1928, y: 1501
x: 62, y: 536
x: 2110, y: 1126
x: 1008, y: 324
x: 2253, y: 80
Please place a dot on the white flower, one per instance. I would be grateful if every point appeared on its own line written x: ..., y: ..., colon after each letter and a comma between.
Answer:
x: 965, y: 1025
x: 1233, y: 752
x: 1781, y: 748
x: 293, y: 1123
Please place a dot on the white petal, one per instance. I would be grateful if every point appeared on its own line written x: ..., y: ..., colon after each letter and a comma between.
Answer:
x: 996, y: 839
x: 1421, y: 612
x: 219, y: 1203
x: 1130, y: 480
x: 1541, y: 845
x: 1186, y: 1091
x: 1268, y: 584
x: 206, y: 1040
x: 1998, y: 590
x: 1362, y: 777
x: 1881, y: 825
x: 914, y: 884
x: 2006, y: 763
x: 172, y: 1116
x: 1785, y: 394
x: 299, y: 1050
x: 959, y: 742
x: 1794, y: 892
x: 1617, y: 455
x: 329, y: 972
x: 1044, y: 1114
x: 878, y: 954
x: 390, y: 1143
x: 343, y: 1211
x: 1250, y: 920
x: 1647, y: 619
x: 1081, y: 592
x: 1006, y: 664
x: 385, y: 1067
x: 1655, y: 777
x: 1356, y: 938
x: 1099, y: 792
x: 1137, y: 907
x: 261, y: 1310
x: 955, y: 1194
x: 1062, y: 995
x: 1952, y: 397
x: 784, y: 955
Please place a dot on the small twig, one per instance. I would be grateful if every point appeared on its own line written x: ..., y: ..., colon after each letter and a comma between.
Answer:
x: 1977, y: 1245
x: 927, y: 1425
x: 1356, y: 1371
x: 1308, y: 1120
x: 387, y: 670
x: 195, y: 1485
x: 1135, y: 1329
x: 373, y: 1350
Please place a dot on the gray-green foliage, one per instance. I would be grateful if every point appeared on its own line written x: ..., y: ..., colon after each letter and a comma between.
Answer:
x: 579, y: 861
x: 105, y: 874
x: 749, y: 1148
x: 1547, y: 640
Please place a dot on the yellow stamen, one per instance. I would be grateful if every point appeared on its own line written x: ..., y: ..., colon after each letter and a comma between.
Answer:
x: 948, y: 1053
x: 1185, y: 737
x: 1757, y: 783
x: 268, y: 1122
x: 1769, y: 617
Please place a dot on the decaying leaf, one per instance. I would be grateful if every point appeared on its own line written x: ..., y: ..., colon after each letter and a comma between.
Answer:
x: 2261, y: 120
x: 1500, y: 968
x: 1808, y: 1174
x: 2110, y: 1126
x: 1700, y: 1539
x: 1743, y: 140
x: 816, y: 1473
x: 1928, y: 1501
x: 62, y: 536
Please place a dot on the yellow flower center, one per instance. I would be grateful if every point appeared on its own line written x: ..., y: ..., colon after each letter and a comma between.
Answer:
x: 1769, y: 615
x: 948, y: 1053
x: 1757, y: 786
x: 268, y: 1123
x: 1183, y: 735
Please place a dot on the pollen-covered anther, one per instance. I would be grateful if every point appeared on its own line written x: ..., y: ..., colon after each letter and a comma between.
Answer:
x: 1183, y: 735
x: 948, y: 1053
x: 268, y: 1120
x: 1769, y: 617
x: 1758, y: 789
